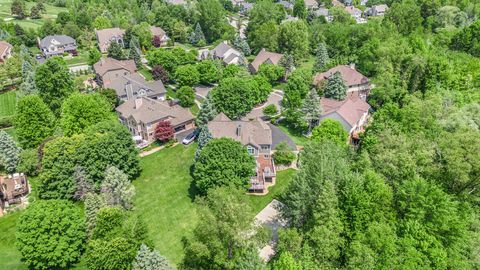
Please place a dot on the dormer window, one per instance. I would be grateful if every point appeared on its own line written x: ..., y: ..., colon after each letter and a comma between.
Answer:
x: 250, y: 150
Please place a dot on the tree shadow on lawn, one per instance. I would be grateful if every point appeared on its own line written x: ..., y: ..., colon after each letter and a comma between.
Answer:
x: 193, y: 191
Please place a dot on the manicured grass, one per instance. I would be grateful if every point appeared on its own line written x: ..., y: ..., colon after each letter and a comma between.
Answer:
x: 9, y: 255
x: 5, y: 14
x: 194, y: 109
x: 259, y: 202
x: 80, y: 59
x: 146, y: 73
x: 296, y: 136
x: 8, y: 101
x: 163, y: 198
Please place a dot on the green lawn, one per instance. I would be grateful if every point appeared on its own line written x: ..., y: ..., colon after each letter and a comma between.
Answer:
x: 80, y: 59
x: 8, y: 101
x: 296, y: 136
x: 5, y: 14
x: 146, y: 73
x: 9, y: 255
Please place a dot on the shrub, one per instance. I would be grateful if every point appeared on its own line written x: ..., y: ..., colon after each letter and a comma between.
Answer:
x: 270, y: 111
x: 283, y: 154
x: 186, y: 96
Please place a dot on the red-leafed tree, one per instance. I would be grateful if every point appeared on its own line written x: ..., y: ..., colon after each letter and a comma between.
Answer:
x: 159, y: 73
x: 156, y: 41
x: 164, y: 131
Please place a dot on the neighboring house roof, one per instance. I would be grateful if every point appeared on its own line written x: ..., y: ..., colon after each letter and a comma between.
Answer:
x: 56, y: 40
x: 12, y: 186
x: 286, y: 4
x: 351, y: 109
x: 147, y: 110
x: 254, y: 132
x: 381, y: 8
x: 337, y: 3
x: 225, y: 52
x: 353, y: 11
x: 351, y: 76
x: 265, y: 56
x: 322, y: 12
x: 177, y: 2
x: 4, y: 47
x: 134, y: 85
x: 311, y: 3
x: 108, y: 64
x: 157, y: 31
x: 105, y: 36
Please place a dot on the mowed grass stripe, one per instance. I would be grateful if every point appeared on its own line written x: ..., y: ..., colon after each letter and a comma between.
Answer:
x: 8, y: 101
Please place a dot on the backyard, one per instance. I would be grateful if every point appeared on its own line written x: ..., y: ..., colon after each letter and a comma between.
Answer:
x: 5, y: 14
x: 164, y: 199
x: 8, y: 101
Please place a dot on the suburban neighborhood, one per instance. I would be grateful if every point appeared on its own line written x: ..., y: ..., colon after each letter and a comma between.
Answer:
x: 239, y: 134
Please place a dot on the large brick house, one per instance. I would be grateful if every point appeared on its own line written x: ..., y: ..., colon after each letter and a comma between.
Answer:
x: 13, y: 189
x: 256, y: 136
x: 142, y: 114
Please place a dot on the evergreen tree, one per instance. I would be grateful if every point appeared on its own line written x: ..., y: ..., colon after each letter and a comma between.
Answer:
x: 299, y: 9
x: 197, y: 37
x: 134, y: 52
x: 116, y: 51
x: 147, y: 259
x: 312, y: 109
x: 9, y: 152
x: 322, y: 57
x: 336, y: 87
x: 27, y: 86
x: 83, y: 184
x: 288, y: 63
x: 241, y: 45
x: 207, y: 112
x: 93, y: 203
x: 203, y: 138
x: 117, y: 189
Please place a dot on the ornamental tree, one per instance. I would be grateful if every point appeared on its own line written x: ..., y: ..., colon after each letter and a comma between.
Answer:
x: 115, y: 51
x: 335, y: 87
x: 147, y: 259
x: 117, y: 189
x: 51, y: 234
x: 164, y: 131
x: 34, y: 121
x: 187, y: 75
x: 9, y: 152
x: 332, y: 130
x: 223, y: 162
x: 311, y: 109
x: 134, y: 51
x: 159, y: 73
x: 186, y: 96
x: 80, y: 111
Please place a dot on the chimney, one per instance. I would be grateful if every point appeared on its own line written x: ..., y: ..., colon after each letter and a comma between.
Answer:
x: 138, y: 102
x: 129, y: 90
x: 239, y: 130
x: 353, y: 66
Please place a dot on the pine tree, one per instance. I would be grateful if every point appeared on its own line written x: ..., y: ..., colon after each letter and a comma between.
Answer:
x: 203, y: 138
x: 197, y: 37
x: 117, y: 189
x: 336, y: 87
x: 83, y: 183
x: 312, y: 109
x: 27, y: 87
x: 93, y: 203
x: 288, y: 63
x: 207, y: 112
x: 241, y: 45
x: 116, y: 51
x: 322, y: 57
x: 299, y: 9
x: 147, y: 259
x: 134, y: 52
x: 9, y: 152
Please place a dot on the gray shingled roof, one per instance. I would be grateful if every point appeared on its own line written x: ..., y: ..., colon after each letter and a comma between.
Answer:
x: 57, y: 40
x: 137, y: 83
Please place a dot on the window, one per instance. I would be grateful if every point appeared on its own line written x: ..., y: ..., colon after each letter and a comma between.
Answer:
x: 251, y: 150
x: 265, y: 147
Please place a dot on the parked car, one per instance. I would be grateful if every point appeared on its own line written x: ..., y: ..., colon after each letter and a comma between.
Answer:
x: 190, y: 138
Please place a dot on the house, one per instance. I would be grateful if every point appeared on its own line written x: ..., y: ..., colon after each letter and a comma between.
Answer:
x: 134, y: 85
x: 355, y: 81
x: 159, y: 33
x: 142, y: 114
x: 352, y: 113
x: 264, y: 57
x: 57, y: 45
x: 224, y: 52
x: 106, y: 36
x: 378, y: 10
x: 108, y: 70
x: 356, y: 14
x: 245, y: 7
x: 256, y: 136
x: 311, y: 4
x: 13, y: 189
x: 337, y: 3
x: 5, y: 50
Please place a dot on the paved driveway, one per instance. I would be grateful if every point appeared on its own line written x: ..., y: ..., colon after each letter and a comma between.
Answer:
x: 275, y: 98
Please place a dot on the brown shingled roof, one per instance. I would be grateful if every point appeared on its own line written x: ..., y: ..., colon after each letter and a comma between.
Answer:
x: 157, y: 31
x: 351, y: 76
x: 265, y: 56
x: 4, y: 46
x: 107, y: 64
x: 350, y: 109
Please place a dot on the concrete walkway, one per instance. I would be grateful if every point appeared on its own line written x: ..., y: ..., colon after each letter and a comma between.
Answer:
x: 270, y: 217
x: 154, y: 150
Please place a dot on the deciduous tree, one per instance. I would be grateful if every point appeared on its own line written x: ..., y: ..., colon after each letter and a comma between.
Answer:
x: 164, y: 131
x: 187, y: 75
x: 299, y: 9
x: 115, y: 51
x: 159, y: 73
x: 117, y: 189
x: 186, y: 96
x: 293, y: 39
x: 330, y: 130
